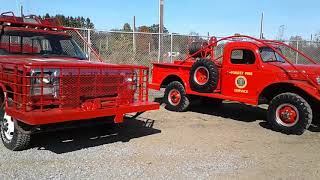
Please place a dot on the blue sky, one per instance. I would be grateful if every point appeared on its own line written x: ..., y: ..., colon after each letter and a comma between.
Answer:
x: 219, y: 17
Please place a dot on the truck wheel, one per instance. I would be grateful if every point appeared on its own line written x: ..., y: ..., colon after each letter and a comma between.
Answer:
x: 204, y: 76
x: 195, y: 47
x: 12, y: 138
x: 175, y: 97
x: 289, y: 113
x: 316, y: 114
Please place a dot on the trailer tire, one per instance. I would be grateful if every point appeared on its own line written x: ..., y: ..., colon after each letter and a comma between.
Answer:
x: 175, y: 97
x: 289, y: 113
x: 204, y: 76
x: 12, y: 138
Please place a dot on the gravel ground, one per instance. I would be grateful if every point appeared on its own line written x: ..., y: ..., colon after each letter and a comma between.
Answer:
x: 230, y: 142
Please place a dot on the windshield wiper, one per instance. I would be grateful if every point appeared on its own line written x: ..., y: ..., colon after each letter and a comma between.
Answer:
x: 61, y: 55
x: 274, y: 61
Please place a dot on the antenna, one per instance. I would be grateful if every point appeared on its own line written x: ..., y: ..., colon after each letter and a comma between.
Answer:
x: 261, y: 26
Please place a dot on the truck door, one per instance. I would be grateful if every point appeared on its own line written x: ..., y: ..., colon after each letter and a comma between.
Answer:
x: 240, y: 73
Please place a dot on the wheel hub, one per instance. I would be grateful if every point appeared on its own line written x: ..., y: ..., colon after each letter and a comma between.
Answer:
x: 8, y: 126
x: 287, y: 115
x: 174, y: 97
x: 201, y: 75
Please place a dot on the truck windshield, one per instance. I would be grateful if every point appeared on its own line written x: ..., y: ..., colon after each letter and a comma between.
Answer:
x: 38, y: 44
x: 268, y: 55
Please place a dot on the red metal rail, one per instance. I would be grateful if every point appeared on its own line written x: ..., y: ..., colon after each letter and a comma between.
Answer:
x: 52, y: 23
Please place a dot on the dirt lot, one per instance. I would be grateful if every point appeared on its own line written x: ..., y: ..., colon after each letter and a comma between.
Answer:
x: 230, y: 142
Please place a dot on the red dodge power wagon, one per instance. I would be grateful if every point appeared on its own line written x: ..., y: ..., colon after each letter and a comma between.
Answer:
x: 247, y: 70
x: 46, y: 79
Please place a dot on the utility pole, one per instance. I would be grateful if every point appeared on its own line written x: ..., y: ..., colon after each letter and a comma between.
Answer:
x: 280, y: 35
x: 261, y: 27
x: 134, y: 35
x: 161, y: 10
x: 161, y: 6
x: 21, y: 10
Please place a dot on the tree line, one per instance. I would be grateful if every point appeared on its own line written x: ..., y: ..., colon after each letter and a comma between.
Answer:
x: 70, y: 21
x: 154, y: 28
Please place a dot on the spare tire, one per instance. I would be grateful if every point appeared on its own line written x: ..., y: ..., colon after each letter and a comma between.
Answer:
x: 195, y: 47
x: 204, y: 76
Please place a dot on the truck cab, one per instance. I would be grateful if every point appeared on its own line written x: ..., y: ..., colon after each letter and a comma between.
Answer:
x: 250, y: 71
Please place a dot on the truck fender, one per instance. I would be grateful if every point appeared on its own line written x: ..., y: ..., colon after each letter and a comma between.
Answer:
x: 173, y: 75
x: 309, y: 89
x: 4, y: 90
x: 301, y: 85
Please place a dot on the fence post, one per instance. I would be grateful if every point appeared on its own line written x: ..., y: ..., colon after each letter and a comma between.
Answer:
x: 134, y: 41
x: 100, y: 48
x: 297, y: 54
x: 89, y: 44
x: 107, y: 44
x: 159, y: 47
x: 171, y: 47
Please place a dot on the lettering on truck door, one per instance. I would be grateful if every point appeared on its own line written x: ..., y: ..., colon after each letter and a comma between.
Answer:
x: 240, y: 73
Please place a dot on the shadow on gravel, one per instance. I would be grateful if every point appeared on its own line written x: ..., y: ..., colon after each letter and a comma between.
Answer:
x: 85, y: 137
x: 159, y: 100
x: 314, y: 128
x: 234, y: 111
x: 241, y: 112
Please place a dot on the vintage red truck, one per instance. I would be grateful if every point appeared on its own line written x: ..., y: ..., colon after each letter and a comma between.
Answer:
x: 46, y: 79
x: 250, y: 71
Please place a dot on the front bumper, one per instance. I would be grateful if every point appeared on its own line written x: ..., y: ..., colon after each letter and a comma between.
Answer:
x: 58, y: 116
x: 154, y: 86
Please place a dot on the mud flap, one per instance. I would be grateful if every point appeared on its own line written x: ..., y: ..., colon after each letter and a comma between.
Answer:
x: 118, y: 118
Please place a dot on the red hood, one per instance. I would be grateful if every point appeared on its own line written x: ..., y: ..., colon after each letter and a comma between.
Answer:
x: 55, y: 61
x: 312, y: 69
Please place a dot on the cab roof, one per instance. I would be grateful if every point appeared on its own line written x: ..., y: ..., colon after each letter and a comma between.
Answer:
x: 30, y: 21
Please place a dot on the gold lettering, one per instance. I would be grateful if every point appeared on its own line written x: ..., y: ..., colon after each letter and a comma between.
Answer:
x: 236, y: 72
x: 240, y: 73
x: 242, y: 91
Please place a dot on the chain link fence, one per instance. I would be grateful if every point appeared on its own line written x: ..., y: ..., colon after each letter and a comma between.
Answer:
x: 144, y: 48
x: 309, y: 48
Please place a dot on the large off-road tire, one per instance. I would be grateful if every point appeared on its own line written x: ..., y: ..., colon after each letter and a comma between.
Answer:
x: 204, y: 76
x: 175, y: 97
x: 11, y: 136
x: 289, y: 113
x: 195, y: 47
x: 316, y: 114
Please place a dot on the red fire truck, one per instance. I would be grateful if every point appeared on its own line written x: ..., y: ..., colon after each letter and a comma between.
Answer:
x: 45, y: 79
x: 250, y: 71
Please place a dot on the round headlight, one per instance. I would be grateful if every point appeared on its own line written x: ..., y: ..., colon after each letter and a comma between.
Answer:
x: 129, y: 79
x: 46, y: 78
x: 318, y: 80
